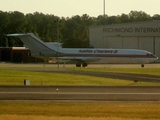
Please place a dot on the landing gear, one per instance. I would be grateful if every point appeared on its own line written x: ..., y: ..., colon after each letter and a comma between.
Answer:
x: 142, y: 65
x: 79, y: 64
x: 84, y: 64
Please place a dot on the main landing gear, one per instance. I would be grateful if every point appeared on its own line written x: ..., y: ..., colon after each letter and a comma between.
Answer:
x: 79, y: 64
x: 142, y: 65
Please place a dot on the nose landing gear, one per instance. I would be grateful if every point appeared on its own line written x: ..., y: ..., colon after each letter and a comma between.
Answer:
x: 142, y: 65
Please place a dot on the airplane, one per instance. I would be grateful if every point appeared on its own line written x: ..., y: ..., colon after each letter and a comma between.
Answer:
x: 83, y: 56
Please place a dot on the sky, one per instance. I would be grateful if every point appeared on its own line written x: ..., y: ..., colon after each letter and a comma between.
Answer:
x: 69, y: 8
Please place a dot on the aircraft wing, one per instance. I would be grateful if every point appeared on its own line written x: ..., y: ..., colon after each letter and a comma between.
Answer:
x: 79, y: 59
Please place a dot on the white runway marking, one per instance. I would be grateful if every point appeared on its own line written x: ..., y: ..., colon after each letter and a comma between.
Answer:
x: 79, y: 93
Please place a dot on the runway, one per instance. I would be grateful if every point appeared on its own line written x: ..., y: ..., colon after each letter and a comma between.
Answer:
x: 98, y: 93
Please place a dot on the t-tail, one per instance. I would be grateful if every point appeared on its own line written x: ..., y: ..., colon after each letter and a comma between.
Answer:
x: 37, y: 47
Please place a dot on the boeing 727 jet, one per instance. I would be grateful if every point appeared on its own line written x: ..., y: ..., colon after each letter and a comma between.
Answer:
x: 83, y: 56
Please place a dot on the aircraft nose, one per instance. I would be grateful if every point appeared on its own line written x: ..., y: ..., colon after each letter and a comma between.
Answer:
x: 156, y: 57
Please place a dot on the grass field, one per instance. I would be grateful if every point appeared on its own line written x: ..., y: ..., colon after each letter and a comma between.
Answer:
x: 38, y: 74
x: 14, y: 74
x: 151, y: 70
x: 43, y: 110
x: 15, y: 77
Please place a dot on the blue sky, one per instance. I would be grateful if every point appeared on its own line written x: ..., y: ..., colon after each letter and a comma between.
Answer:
x: 69, y: 8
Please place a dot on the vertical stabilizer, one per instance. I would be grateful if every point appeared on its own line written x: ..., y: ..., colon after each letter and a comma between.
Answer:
x: 32, y: 42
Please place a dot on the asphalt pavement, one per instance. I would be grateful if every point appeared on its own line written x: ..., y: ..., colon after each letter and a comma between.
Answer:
x: 99, y: 93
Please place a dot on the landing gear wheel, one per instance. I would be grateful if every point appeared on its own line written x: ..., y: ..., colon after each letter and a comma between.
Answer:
x: 84, y: 64
x: 78, y: 65
x: 142, y: 65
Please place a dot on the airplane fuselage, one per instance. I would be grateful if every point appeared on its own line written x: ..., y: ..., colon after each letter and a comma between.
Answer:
x: 83, y: 56
x: 102, y: 55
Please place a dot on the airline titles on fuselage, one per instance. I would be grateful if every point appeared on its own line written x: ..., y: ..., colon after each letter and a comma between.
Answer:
x: 98, y: 51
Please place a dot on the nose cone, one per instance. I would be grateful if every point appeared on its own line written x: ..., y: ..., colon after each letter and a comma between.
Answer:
x: 154, y: 58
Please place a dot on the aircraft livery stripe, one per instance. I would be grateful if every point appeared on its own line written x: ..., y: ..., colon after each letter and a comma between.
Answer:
x: 105, y: 55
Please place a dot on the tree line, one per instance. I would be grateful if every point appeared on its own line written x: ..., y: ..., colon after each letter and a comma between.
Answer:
x: 71, y: 31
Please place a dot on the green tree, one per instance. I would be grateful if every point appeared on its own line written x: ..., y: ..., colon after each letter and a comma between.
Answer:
x: 101, y: 20
x: 72, y: 32
x: 124, y: 18
x: 17, y: 22
x: 4, y: 22
x: 156, y: 17
x: 136, y: 16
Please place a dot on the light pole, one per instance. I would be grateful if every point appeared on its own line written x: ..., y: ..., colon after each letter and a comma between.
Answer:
x: 104, y: 8
x: 58, y: 21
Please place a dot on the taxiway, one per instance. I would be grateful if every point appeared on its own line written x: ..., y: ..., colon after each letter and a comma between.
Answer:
x: 104, y: 93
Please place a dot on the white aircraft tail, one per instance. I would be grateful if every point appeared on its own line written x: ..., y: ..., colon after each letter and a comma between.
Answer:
x: 33, y: 43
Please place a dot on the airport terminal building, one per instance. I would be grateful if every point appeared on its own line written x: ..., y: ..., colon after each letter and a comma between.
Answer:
x: 137, y: 35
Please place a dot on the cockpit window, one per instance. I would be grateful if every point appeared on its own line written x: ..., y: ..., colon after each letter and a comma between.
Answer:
x: 149, y: 54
